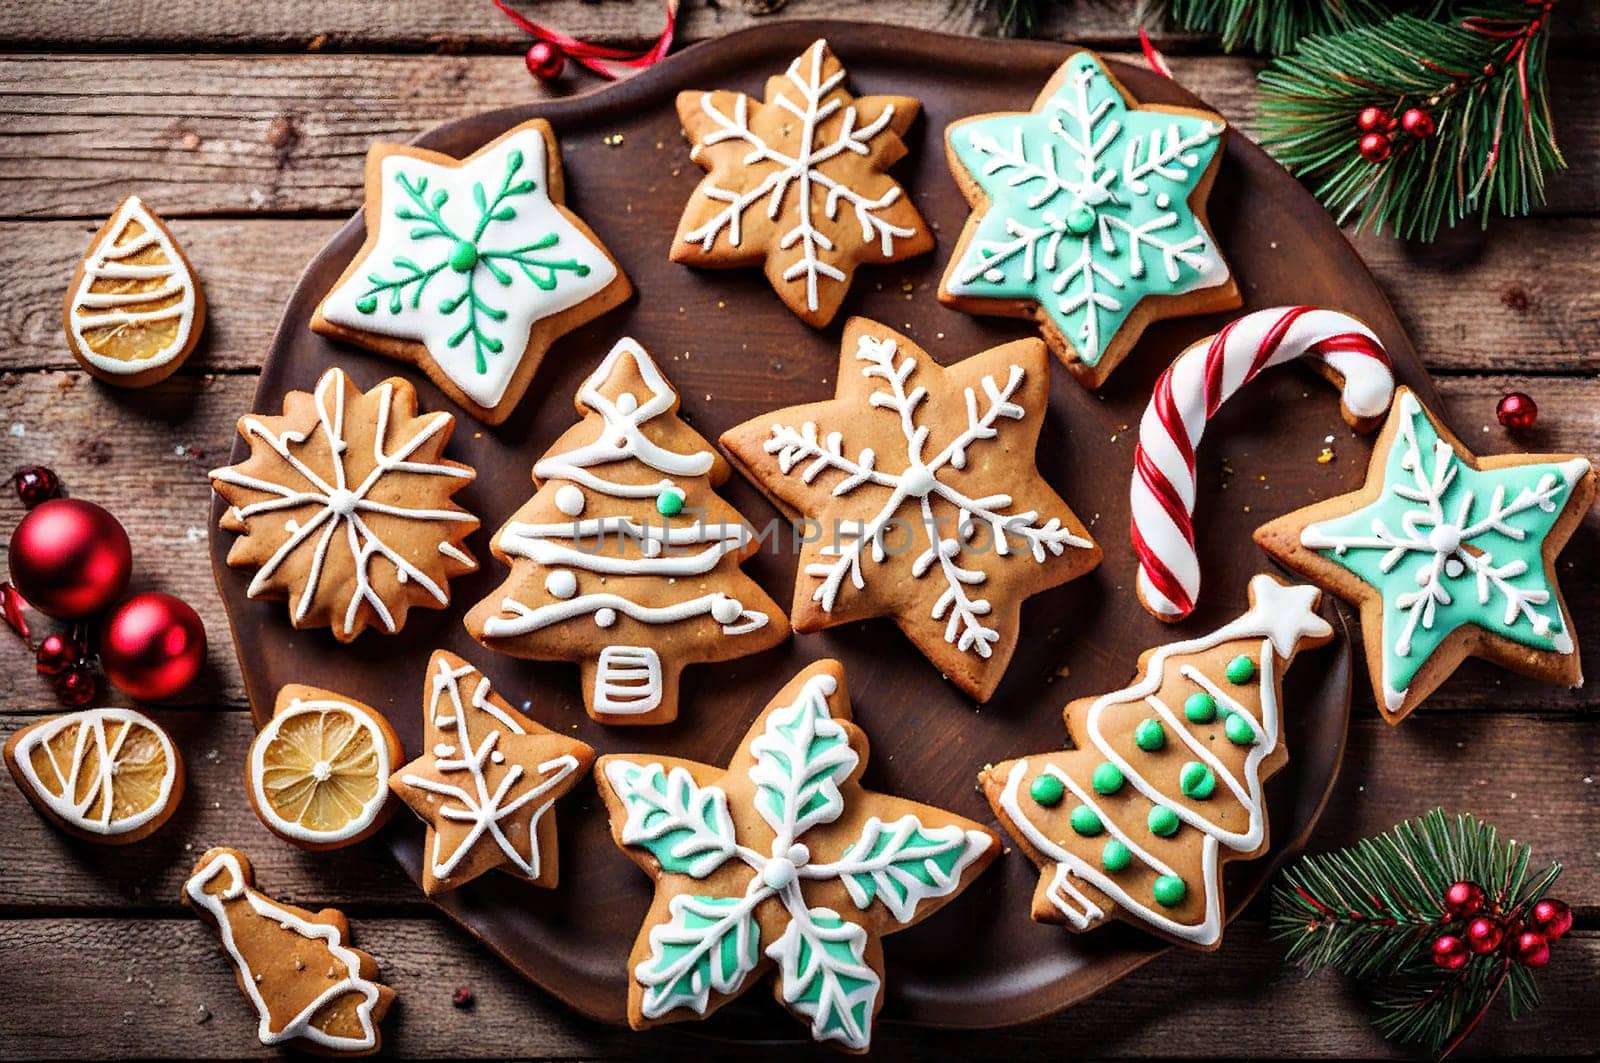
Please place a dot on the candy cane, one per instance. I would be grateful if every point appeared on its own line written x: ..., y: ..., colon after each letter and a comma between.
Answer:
x: 1191, y: 391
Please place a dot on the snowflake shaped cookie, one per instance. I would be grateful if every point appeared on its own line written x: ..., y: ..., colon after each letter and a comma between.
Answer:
x: 1449, y: 556
x: 1088, y: 216
x: 920, y: 483
x: 799, y: 183
x: 781, y: 860
x: 344, y: 506
x: 472, y: 268
x: 487, y: 782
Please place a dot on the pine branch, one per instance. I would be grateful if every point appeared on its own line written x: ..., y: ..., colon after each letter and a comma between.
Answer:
x: 1271, y: 28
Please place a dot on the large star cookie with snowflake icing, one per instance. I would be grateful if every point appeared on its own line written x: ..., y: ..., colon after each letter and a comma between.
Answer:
x: 919, y: 481
x: 1088, y: 216
x: 472, y: 268
x: 781, y: 861
x: 486, y: 783
x: 1448, y: 555
x: 344, y: 506
x: 799, y: 183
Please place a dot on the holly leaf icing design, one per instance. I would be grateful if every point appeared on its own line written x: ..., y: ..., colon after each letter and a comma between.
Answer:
x: 684, y: 826
x: 709, y: 944
x: 903, y: 863
x: 801, y: 759
x: 825, y: 976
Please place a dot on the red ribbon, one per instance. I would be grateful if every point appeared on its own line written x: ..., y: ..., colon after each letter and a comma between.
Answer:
x: 597, y: 57
x: 1157, y: 61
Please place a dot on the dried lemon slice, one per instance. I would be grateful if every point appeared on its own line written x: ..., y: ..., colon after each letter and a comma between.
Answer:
x: 110, y: 775
x: 319, y: 770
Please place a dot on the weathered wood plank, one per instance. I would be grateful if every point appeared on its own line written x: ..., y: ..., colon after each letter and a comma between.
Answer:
x: 141, y: 987
x: 287, y: 133
x: 1526, y: 297
x: 1537, y: 784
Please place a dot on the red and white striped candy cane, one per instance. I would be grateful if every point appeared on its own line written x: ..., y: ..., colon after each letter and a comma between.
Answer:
x: 1191, y: 391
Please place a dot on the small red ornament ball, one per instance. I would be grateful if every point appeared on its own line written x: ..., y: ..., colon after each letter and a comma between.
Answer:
x: 152, y: 646
x: 70, y: 558
x: 545, y: 61
x: 36, y: 484
x: 1371, y: 119
x: 1374, y: 147
x: 1517, y: 411
x: 76, y: 687
x: 56, y: 653
x: 1417, y: 122
x: 1450, y: 952
x: 1484, y: 935
x: 1551, y: 917
x: 1463, y: 899
x: 1531, y: 949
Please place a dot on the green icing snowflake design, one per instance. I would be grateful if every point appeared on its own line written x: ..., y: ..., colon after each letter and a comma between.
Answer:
x: 711, y: 943
x: 1447, y: 545
x: 1088, y: 207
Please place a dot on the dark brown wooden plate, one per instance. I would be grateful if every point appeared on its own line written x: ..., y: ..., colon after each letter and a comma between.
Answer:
x: 734, y: 351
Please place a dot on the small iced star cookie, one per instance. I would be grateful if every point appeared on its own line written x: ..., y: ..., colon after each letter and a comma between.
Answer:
x: 1448, y: 555
x: 799, y: 184
x: 472, y: 268
x: 1088, y: 216
x: 922, y: 479
x: 781, y: 862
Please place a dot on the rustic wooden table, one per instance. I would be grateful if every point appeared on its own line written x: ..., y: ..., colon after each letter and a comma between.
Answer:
x: 246, y: 126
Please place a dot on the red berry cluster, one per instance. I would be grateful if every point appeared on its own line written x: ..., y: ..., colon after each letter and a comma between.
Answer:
x: 1475, y: 931
x: 1377, y: 128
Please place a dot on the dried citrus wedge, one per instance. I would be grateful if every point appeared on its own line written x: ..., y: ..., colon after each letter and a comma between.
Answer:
x: 319, y: 770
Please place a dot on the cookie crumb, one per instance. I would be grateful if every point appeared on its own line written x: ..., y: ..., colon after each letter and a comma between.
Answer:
x: 1325, y: 455
x: 612, y: 140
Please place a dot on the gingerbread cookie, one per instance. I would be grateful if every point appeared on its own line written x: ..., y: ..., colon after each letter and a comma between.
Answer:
x: 134, y: 310
x: 921, y: 479
x: 799, y: 183
x: 1163, y: 783
x: 318, y: 773
x: 1088, y: 216
x: 1448, y: 555
x: 781, y: 860
x: 344, y: 506
x: 310, y: 989
x: 627, y: 560
x: 111, y: 776
x: 472, y: 268
x: 487, y: 783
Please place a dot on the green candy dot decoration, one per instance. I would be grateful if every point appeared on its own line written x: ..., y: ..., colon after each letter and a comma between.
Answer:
x: 1149, y: 735
x: 1046, y: 791
x: 1239, y: 731
x: 1240, y: 670
x: 1086, y: 821
x: 1169, y: 891
x: 1200, y: 707
x: 1163, y: 821
x: 669, y: 503
x: 463, y: 256
x: 1196, y: 780
x: 1115, y: 856
x: 1080, y: 219
x: 1107, y: 778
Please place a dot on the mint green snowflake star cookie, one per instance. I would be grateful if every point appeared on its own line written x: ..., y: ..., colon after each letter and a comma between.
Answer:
x: 1088, y: 216
x: 781, y: 861
x: 472, y: 268
x: 1449, y: 556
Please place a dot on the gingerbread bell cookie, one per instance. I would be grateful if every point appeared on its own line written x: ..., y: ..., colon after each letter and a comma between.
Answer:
x: 782, y: 860
x: 111, y: 776
x: 1448, y: 555
x: 626, y: 560
x: 343, y: 507
x: 472, y: 268
x: 1088, y: 216
x: 922, y: 480
x: 1163, y: 783
x: 134, y: 310
x: 487, y: 783
x: 799, y: 183
x: 308, y: 987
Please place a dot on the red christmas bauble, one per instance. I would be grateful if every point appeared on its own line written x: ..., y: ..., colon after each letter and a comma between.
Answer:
x: 70, y: 558
x: 1463, y: 899
x: 152, y: 646
x: 56, y: 653
x: 1531, y: 949
x: 1417, y: 122
x: 1371, y: 119
x: 1517, y: 411
x: 545, y: 61
x: 1484, y: 935
x: 1450, y: 952
x: 1374, y: 147
x: 76, y: 687
x: 36, y: 484
x: 1552, y: 918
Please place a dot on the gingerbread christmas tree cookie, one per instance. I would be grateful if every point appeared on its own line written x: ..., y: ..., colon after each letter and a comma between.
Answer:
x: 799, y: 183
x: 487, y: 783
x: 1449, y: 556
x: 472, y: 268
x: 1088, y: 216
x: 782, y: 860
x: 344, y: 506
x: 922, y: 480
x: 1163, y: 783
x: 626, y: 560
